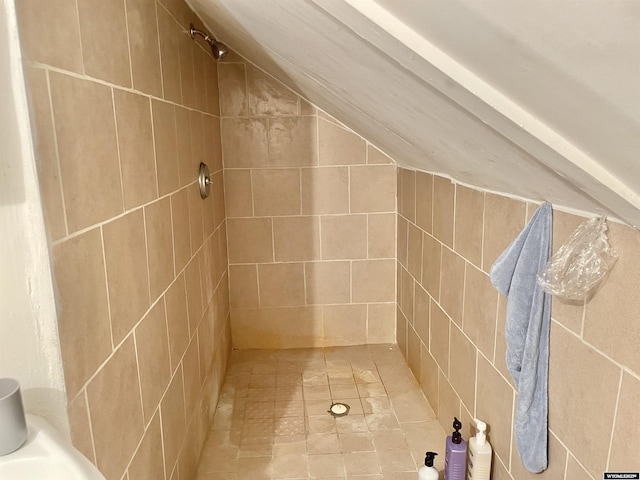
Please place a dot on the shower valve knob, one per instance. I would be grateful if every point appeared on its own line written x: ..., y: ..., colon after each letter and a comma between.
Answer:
x: 204, y: 180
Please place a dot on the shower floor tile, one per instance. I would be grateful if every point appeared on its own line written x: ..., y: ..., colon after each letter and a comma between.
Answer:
x: 272, y: 420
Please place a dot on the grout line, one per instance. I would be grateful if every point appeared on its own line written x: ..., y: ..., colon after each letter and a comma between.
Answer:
x: 106, y: 285
x: 146, y: 251
x: 155, y: 7
x: 86, y: 404
x: 625, y: 368
x: 57, y: 154
x: 115, y: 124
x: 135, y: 347
x: 155, y: 154
x: 126, y: 24
x: 615, y: 417
x: 80, y: 35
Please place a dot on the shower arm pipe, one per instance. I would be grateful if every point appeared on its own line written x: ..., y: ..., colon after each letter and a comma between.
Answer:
x: 218, y: 49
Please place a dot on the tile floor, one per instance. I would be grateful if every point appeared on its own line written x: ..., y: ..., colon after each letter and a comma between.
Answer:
x: 272, y: 420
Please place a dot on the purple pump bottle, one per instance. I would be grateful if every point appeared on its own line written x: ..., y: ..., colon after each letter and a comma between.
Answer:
x: 455, y: 461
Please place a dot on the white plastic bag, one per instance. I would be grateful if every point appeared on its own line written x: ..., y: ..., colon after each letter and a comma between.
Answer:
x: 578, y: 267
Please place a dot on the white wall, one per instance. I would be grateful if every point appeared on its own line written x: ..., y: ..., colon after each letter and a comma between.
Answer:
x: 29, y: 345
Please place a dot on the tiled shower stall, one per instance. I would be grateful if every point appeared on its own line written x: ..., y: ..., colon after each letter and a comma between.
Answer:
x: 312, y: 237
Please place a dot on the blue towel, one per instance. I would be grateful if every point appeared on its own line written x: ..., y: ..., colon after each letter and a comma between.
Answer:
x: 527, y: 333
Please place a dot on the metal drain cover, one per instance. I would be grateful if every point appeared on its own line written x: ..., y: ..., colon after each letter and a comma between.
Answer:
x: 339, y: 409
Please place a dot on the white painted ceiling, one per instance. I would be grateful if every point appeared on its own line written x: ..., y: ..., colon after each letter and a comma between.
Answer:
x: 536, y: 98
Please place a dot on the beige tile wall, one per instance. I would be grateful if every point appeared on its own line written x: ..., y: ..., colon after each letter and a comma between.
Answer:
x: 311, y: 220
x: 125, y: 107
x: 451, y: 324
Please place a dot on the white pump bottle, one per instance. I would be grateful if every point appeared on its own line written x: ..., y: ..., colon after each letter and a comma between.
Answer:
x: 479, y: 463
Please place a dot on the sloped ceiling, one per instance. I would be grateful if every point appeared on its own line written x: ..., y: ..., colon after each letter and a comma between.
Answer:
x: 539, y: 99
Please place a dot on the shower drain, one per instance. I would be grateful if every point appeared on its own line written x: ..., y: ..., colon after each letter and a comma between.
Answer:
x: 339, y: 409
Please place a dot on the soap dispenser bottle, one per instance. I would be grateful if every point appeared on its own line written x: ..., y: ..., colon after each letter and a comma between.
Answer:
x: 428, y: 471
x: 455, y: 460
x: 479, y: 464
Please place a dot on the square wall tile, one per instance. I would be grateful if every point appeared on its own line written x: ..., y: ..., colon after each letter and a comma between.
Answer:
x: 345, y: 324
x: 148, y: 460
x: 80, y: 426
x: 495, y: 406
x: 152, y: 347
x: 328, y: 282
x: 373, y: 281
x: 186, y: 49
x: 213, y: 93
x: 338, y: 146
x: 373, y: 188
x: 296, y: 238
x: 276, y: 191
x: 267, y: 96
x: 85, y: 128
x: 439, y: 337
x: 114, y: 393
x: 610, y: 315
x: 47, y: 156
x: 164, y: 131
x: 293, y: 141
x: 452, y: 284
x: 325, y: 190
x: 407, y: 289
x: 233, y: 88
x: 432, y: 265
x: 250, y: 240
x: 262, y: 328
x: 105, y: 48
x: 403, y: 241
x: 462, y: 367
x: 169, y: 33
x: 194, y: 294
x: 414, y: 253
x: 469, y: 224
x: 572, y: 368
x: 421, y: 313
x: 60, y: 20
x: 424, y: 201
x: 135, y: 144
x: 185, y: 152
x: 504, y: 219
x: 408, y: 181
x: 281, y: 284
x: 237, y: 193
x: 159, y: 246
x: 344, y: 237
x: 448, y: 402
x: 181, y: 228
x: 429, y: 377
x: 83, y: 323
x: 125, y: 254
x: 212, y: 142
x: 196, y: 217
x: 197, y: 144
x: 381, y: 235
x: 376, y: 157
x: 177, y: 320
x: 173, y: 421
x: 624, y: 446
x: 381, y: 323
x: 143, y: 44
x: 243, y: 286
x: 480, y: 310
x: 443, y: 210
x: 244, y: 142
